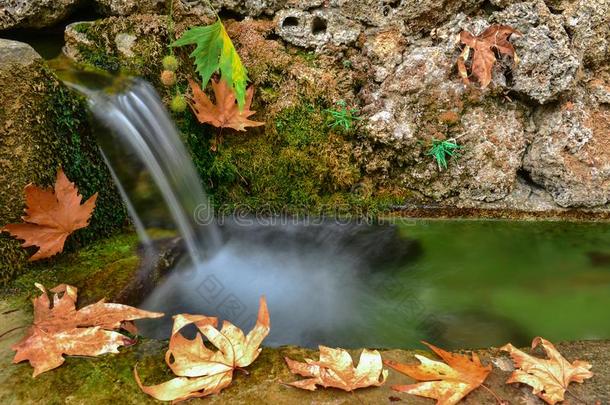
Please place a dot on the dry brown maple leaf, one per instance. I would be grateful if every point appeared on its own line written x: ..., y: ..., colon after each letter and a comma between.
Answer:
x: 201, y: 371
x: 336, y: 369
x: 493, y: 39
x: 225, y: 113
x: 51, y: 216
x: 548, y: 377
x: 447, y: 383
x: 58, y: 329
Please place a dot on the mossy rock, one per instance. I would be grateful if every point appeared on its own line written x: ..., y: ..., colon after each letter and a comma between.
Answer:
x: 45, y: 126
x: 296, y: 164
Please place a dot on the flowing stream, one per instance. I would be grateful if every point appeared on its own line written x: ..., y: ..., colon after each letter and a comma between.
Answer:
x: 455, y: 283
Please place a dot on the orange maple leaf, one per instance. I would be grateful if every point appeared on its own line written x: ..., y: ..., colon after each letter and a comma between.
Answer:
x: 447, y: 383
x: 201, y: 371
x: 225, y: 113
x: 494, y: 38
x: 550, y: 377
x: 59, y: 329
x: 336, y: 369
x: 52, y: 216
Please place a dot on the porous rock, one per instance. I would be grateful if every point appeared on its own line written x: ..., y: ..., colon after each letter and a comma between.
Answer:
x: 570, y: 154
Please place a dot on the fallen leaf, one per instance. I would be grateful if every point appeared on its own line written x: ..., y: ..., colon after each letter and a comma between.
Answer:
x: 201, y: 371
x: 52, y: 216
x: 483, y: 47
x: 447, y: 383
x: 225, y: 113
x: 550, y: 377
x: 336, y: 369
x: 59, y: 329
x: 214, y: 51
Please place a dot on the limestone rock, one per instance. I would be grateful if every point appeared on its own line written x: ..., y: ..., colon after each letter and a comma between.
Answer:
x: 547, y: 64
x: 589, y: 24
x: 36, y: 14
x: 16, y: 53
x: 313, y: 29
x: 423, y: 100
x: 128, y: 7
x: 570, y: 154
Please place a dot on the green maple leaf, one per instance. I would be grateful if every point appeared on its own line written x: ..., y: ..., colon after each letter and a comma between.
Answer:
x: 214, y: 52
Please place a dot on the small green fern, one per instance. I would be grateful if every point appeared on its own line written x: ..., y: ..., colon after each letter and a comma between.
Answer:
x: 440, y: 150
x: 343, y: 117
x: 214, y: 52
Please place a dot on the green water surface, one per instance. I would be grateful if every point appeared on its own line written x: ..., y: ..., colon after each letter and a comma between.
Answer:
x: 484, y: 283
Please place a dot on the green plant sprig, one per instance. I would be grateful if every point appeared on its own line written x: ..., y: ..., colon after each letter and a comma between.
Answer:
x: 440, y: 150
x: 343, y: 117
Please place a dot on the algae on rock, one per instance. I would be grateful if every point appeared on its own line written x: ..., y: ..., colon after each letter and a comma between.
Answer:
x: 45, y: 126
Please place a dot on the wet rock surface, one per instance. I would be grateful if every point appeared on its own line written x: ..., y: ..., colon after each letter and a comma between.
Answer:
x: 521, y: 147
x: 110, y: 378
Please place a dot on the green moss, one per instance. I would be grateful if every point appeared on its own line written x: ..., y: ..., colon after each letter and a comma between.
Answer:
x: 52, y: 131
x: 80, y: 159
x: 82, y: 27
x: 99, y: 270
x: 99, y: 59
x: 103, y: 379
x: 297, y: 165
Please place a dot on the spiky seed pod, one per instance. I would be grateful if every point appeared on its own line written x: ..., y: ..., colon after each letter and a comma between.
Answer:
x: 178, y: 103
x: 168, y: 78
x: 170, y: 63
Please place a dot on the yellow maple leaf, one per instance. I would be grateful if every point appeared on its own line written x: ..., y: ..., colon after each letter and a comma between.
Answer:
x: 336, y: 369
x: 201, y: 371
x: 550, y: 377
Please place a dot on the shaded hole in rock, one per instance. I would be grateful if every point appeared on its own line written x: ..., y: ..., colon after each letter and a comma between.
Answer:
x: 290, y: 22
x: 526, y: 178
x: 489, y: 8
x: 389, y: 5
x: 226, y: 15
x: 318, y: 26
x: 49, y: 41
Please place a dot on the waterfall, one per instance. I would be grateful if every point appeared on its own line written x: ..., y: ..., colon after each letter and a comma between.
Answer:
x: 311, y: 273
x: 139, y: 142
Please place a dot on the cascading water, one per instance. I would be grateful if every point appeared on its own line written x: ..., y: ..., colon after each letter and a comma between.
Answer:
x: 308, y: 272
x: 146, y: 143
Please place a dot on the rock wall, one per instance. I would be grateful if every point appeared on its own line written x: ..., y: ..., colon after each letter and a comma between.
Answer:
x: 43, y: 126
x: 535, y: 140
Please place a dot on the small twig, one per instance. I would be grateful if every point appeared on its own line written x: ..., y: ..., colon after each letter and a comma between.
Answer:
x: 498, y: 399
x: 12, y: 330
x: 357, y: 398
x: 10, y: 311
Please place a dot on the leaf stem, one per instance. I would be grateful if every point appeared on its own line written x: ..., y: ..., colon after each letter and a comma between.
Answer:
x: 576, y: 396
x: 498, y: 399
x: 213, y: 9
x: 170, y: 26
